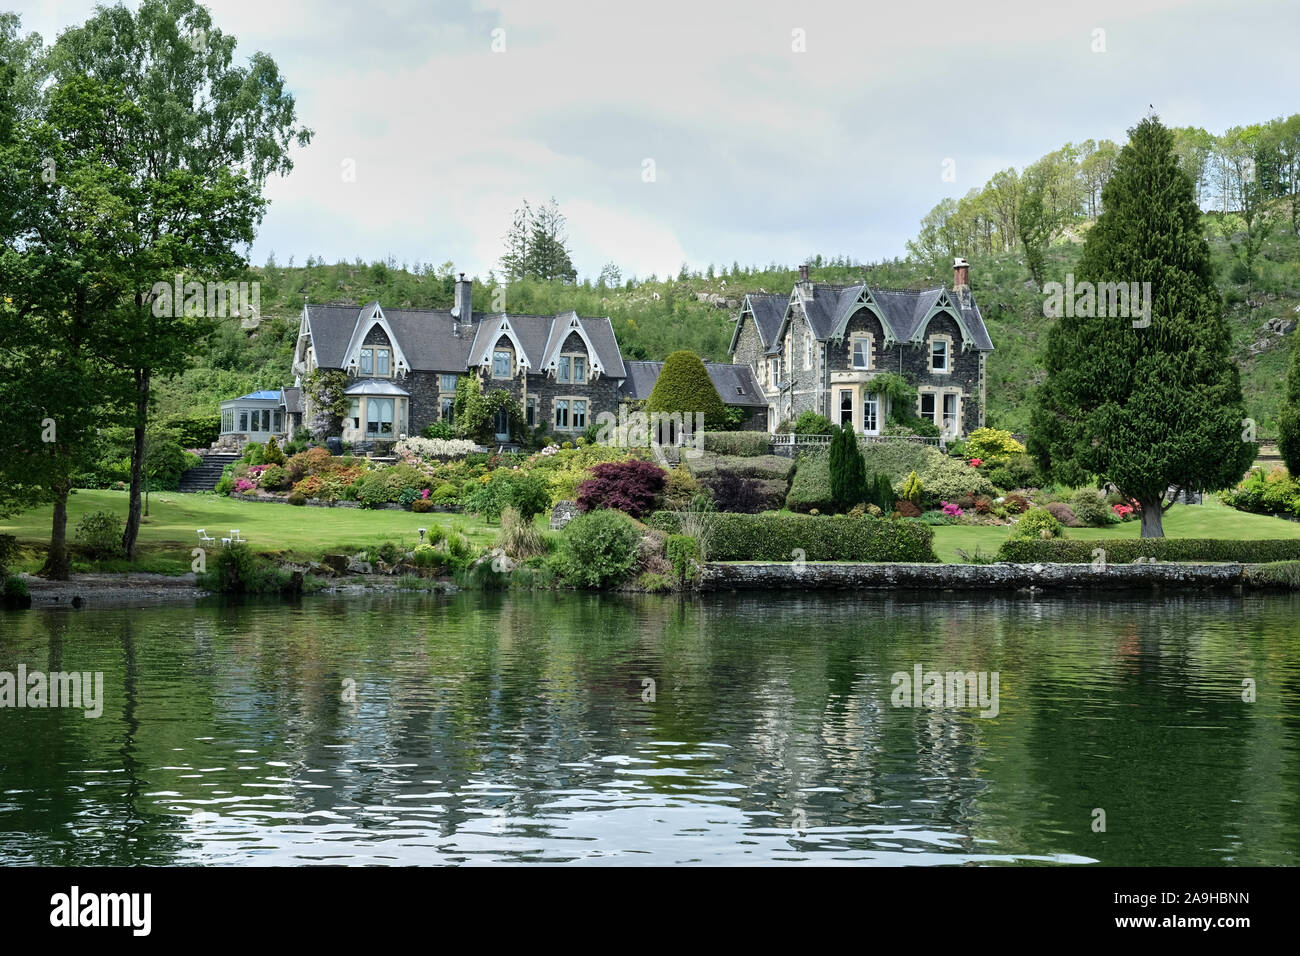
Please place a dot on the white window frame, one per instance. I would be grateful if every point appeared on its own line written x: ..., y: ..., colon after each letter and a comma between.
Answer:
x: 807, y: 352
x: 378, y: 406
x: 496, y: 354
x: 946, y: 342
x: 871, y: 407
x: 869, y: 347
x: 570, y: 403
x: 561, y: 405
x: 935, y: 408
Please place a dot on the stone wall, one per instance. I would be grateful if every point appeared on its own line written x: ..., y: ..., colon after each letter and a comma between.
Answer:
x: 972, y: 577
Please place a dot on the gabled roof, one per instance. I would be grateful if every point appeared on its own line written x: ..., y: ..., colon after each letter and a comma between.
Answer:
x: 735, y: 383
x: 293, y: 400
x: 766, y: 312
x: 540, y: 336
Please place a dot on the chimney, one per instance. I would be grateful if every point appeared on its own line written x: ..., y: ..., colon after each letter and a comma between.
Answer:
x: 803, y: 272
x: 960, y: 275
x: 464, y: 309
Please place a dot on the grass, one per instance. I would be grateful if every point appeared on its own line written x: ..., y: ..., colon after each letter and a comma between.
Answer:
x: 170, y: 532
x: 1210, y: 520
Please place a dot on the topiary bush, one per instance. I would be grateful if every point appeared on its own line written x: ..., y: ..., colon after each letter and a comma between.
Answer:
x: 1038, y: 523
x: 271, y: 453
x: 599, y: 549
x: 737, y: 444
x: 633, y: 487
x: 684, y: 387
x: 734, y: 492
x: 811, y: 487
x: 782, y: 537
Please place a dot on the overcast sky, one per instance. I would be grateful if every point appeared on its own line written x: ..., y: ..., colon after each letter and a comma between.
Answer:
x: 761, y: 151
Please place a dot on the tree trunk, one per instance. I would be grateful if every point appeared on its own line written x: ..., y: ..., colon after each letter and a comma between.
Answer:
x: 137, y: 462
x: 57, y: 564
x: 1153, y: 517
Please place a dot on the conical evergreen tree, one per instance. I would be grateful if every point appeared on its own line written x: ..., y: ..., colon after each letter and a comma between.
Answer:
x: 848, y: 470
x: 1149, y: 401
x: 684, y: 387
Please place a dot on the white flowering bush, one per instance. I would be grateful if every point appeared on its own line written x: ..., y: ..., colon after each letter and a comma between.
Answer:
x: 416, y: 447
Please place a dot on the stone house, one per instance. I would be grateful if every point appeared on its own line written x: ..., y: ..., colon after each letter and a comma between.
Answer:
x: 820, y: 347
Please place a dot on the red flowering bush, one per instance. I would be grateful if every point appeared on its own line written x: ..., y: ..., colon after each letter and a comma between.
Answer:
x: 976, y: 462
x: 633, y: 487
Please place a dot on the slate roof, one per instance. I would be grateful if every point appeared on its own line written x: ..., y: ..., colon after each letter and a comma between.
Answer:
x: 375, y: 386
x: 726, y: 378
x: 428, y: 336
x: 769, y: 313
x: 293, y: 400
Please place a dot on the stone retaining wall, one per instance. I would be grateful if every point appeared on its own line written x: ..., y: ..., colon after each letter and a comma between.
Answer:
x: 976, y: 577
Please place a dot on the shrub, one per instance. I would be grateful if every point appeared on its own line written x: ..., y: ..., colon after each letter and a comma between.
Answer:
x: 992, y: 445
x: 445, y: 493
x: 428, y: 556
x: 252, y: 454
x: 408, y: 497
x: 307, y: 462
x: 683, y: 554
x: 526, y: 492
x: 811, y: 423
x: 680, y: 487
x: 847, y: 471
x: 737, y: 444
x: 519, y: 537
x: 1038, y: 523
x: 879, y: 493
x: 1015, y: 504
x: 439, y: 430
x: 297, y: 498
x: 947, y: 479
x: 811, y: 487
x: 8, y: 551
x: 633, y: 487
x: 907, y: 509
x: 434, y: 448
x: 898, y: 459
x: 599, y: 549
x: 422, y: 506
x: 274, y: 478
x: 777, y: 537
x: 1126, y: 550
x: 271, y: 454
x: 1018, y: 471
x: 100, y: 534
x: 734, y: 492
x: 684, y: 387
x: 14, y: 589
x: 1090, y: 507
x: 1064, y: 514
x: 238, y: 570
x: 912, y: 489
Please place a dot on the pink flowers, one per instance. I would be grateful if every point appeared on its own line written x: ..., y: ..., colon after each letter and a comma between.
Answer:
x: 976, y: 462
x: 1122, y: 510
x: 243, y: 484
x: 424, y: 493
x: 951, y: 510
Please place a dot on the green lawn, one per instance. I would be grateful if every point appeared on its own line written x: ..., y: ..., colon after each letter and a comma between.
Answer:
x: 170, y: 531
x: 1210, y: 520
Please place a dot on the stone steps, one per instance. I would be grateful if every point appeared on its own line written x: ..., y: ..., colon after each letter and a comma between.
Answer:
x: 205, y: 475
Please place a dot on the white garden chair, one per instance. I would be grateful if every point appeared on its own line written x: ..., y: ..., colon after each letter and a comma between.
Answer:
x: 205, y: 538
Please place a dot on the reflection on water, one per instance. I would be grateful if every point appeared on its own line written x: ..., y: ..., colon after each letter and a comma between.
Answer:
x: 727, y: 730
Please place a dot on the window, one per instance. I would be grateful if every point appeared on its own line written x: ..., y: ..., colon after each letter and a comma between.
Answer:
x: 501, y: 363
x: 277, y: 421
x: 227, y: 419
x: 266, y: 419
x: 447, y: 383
x: 355, y: 413
x: 871, y: 414
x: 382, y: 359
x: 571, y: 369
x: 939, y: 355
x: 530, y: 412
x: 846, y: 408
x: 862, y: 353
x: 579, y: 414
x: 773, y: 371
x: 927, y: 406
x: 562, y: 369
x: 447, y: 409
x: 561, y: 413
x: 580, y: 369
x: 379, y: 416
x: 243, y: 419
x: 367, y: 361
x: 807, y: 351
x: 950, y: 413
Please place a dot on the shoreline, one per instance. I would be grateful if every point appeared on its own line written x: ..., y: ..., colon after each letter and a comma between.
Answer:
x: 140, y: 589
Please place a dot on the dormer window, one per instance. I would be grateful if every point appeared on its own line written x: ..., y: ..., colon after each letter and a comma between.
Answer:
x: 376, y: 362
x: 571, y: 369
x: 860, y: 346
x: 940, y: 353
x: 501, y: 363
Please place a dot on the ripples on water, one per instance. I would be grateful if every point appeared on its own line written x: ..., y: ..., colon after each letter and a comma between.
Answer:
x: 516, y: 728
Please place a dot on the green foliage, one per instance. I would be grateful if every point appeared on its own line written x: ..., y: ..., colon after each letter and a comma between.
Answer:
x: 738, y: 444
x: 1268, y: 492
x: 325, y: 392
x: 1150, y: 406
x: 274, y: 478
x: 912, y: 489
x: 237, y: 569
x: 1126, y: 550
x: 811, y: 423
x: 297, y: 499
x: 1018, y: 471
x: 519, y: 537
x: 271, y: 454
x: 599, y: 549
x: 14, y: 589
x: 1288, y: 419
x: 1037, y: 524
x: 1090, y: 507
x: 527, y: 491
x: 100, y: 534
x: 847, y: 471
x: 947, y: 479
x: 684, y: 388
x: 782, y: 537
x: 439, y: 429
x: 8, y: 552
x: 683, y: 553
x: 898, y: 459
x: 991, y: 446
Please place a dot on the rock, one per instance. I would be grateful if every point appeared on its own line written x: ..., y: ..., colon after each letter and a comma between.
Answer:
x: 562, y: 514
x: 358, y: 564
x: 336, y: 563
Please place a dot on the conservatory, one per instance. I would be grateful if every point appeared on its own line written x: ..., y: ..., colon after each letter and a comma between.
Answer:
x: 258, y: 415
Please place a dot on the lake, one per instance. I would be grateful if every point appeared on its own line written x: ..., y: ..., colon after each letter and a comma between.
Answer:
x: 725, y: 729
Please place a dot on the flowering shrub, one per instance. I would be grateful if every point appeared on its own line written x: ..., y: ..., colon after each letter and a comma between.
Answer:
x: 976, y: 462
x: 1122, y: 510
x: 952, y: 510
x: 243, y: 484
x: 416, y: 447
x: 633, y: 487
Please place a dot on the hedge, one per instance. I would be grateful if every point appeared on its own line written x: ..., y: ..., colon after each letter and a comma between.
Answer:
x: 739, y: 444
x: 1125, y: 550
x: 777, y: 537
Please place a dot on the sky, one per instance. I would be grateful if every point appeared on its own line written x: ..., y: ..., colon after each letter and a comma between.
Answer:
x: 703, y: 131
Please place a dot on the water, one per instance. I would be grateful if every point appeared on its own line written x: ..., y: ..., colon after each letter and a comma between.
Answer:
x: 517, y: 728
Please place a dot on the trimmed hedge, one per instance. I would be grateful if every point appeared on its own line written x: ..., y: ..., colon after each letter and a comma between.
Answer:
x: 738, y: 444
x: 776, y: 537
x: 1125, y: 550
